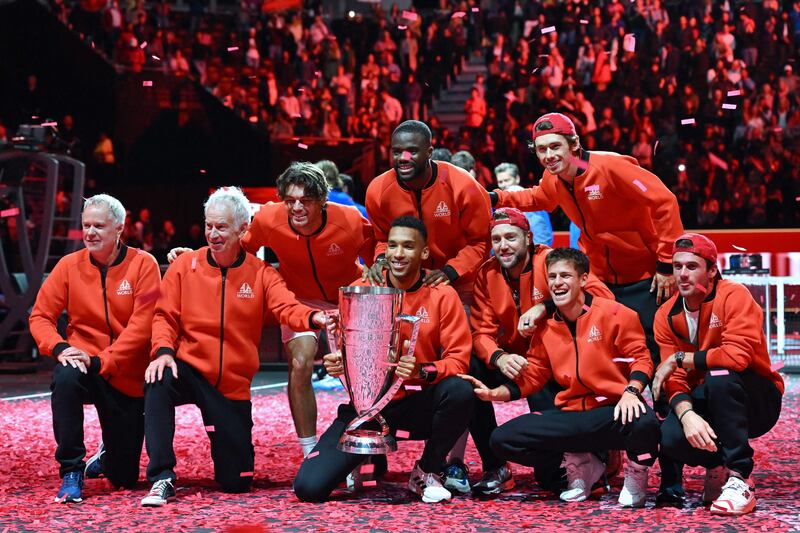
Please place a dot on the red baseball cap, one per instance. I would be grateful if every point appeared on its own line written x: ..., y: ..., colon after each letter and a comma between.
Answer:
x: 562, y: 125
x: 510, y: 215
x: 696, y: 244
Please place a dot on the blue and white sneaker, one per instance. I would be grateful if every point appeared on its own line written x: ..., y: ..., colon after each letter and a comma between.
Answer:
x: 328, y: 383
x: 456, y: 477
x: 93, y: 468
x: 70, y: 491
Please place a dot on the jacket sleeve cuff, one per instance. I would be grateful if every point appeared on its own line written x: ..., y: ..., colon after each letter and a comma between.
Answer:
x: 494, y: 197
x: 549, y: 307
x: 450, y: 272
x: 95, y: 364
x: 700, y: 362
x: 311, y: 325
x: 638, y: 375
x: 164, y: 351
x: 60, y: 347
x: 664, y: 268
x: 513, y: 388
x: 494, y: 357
x: 680, y: 397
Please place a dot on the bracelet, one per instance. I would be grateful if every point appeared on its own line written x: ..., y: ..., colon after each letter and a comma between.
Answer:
x: 680, y: 418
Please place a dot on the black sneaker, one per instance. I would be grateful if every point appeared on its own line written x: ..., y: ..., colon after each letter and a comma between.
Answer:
x: 160, y: 494
x: 494, y: 482
x: 670, y: 497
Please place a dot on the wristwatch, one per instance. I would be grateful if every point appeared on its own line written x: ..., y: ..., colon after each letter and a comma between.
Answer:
x: 633, y: 390
x: 679, y: 358
x: 427, y: 372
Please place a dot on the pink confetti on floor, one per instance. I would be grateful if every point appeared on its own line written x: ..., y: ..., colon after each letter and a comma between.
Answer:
x: 312, y: 455
x: 30, y: 481
x: 686, y: 121
x: 644, y: 457
x: 548, y: 29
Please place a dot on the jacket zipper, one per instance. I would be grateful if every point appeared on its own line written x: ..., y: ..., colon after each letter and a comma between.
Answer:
x: 608, y: 262
x: 103, y: 273
x: 314, y: 269
x: 418, y: 196
x: 577, y: 372
x: 221, y: 325
x: 571, y: 189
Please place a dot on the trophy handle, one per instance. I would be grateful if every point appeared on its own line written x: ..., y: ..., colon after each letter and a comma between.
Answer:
x: 334, y: 335
x: 372, y: 412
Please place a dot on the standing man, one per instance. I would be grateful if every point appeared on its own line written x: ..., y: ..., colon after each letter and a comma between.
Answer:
x: 318, y: 244
x: 507, y: 285
x: 440, y: 411
x: 594, y: 349
x: 628, y: 220
x: 507, y: 176
x: 108, y: 291
x: 206, y: 332
x: 716, y: 374
x: 453, y: 206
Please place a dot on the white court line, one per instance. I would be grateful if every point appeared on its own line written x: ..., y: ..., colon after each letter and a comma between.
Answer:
x: 45, y: 394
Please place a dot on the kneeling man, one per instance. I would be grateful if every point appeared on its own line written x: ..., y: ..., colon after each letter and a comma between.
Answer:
x: 440, y: 411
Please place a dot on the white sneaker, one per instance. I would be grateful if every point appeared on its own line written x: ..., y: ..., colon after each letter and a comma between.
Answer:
x: 583, y: 471
x: 738, y: 497
x: 427, y: 485
x: 712, y: 486
x: 634, y: 491
x: 160, y: 494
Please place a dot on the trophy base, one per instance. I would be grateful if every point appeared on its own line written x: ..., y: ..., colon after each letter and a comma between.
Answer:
x: 367, y: 442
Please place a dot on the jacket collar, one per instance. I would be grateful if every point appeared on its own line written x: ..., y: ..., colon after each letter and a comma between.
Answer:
x: 123, y: 251
x: 319, y: 229
x: 237, y: 263
x: 434, y: 175
x: 678, y: 309
x: 414, y: 288
x: 587, y: 304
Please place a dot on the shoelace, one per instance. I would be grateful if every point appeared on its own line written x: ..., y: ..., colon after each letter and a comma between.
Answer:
x: 72, y: 479
x: 572, y: 472
x: 159, y: 487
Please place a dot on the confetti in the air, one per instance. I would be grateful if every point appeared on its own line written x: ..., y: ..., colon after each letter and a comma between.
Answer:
x: 232, y: 48
x: 402, y: 434
x: 548, y: 29
x: 49, y: 124
x: 686, y: 121
x: 302, y: 146
x: 734, y: 93
x: 728, y: 106
x: 739, y: 248
x: 629, y: 43
x: 723, y: 372
x: 409, y: 15
x: 147, y: 83
x: 14, y: 211
x: 623, y: 359
x: 641, y: 185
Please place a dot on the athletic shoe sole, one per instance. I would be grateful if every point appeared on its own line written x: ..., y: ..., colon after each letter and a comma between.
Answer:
x: 720, y: 510
x: 458, y: 487
x: 153, y: 502
x: 66, y: 499
x: 507, y: 485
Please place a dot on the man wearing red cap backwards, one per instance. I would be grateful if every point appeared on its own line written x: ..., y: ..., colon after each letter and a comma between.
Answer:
x: 716, y: 374
x: 514, y: 280
x: 628, y: 221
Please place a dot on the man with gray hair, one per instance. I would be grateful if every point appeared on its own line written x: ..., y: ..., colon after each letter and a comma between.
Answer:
x: 507, y: 176
x: 108, y: 291
x: 206, y: 332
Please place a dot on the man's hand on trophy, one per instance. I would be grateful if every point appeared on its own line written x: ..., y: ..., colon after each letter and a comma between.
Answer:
x: 333, y: 363
x: 407, y: 366
x: 498, y: 394
x: 323, y: 320
x: 175, y: 252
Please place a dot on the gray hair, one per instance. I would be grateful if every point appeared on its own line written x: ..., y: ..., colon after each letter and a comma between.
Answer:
x: 507, y: 167
x: 234, y: 198
x: 463, y: 159
x: 114, y: 206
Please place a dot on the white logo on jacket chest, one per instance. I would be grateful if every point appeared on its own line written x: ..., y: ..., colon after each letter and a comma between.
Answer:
x: 594, y: 335
x: 537, y: 295
x: 593, y: 192
x: 334, y: 249
x: 124, y: 288
x: 422, y: 313
x: 442, y: 210
x: 245, y: 291
x: 714, y: 322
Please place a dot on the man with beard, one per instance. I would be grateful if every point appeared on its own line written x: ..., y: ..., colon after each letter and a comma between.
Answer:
x: 513, y: 281
x: 318, y: 244
x: 628, y: 220
x: 440, y: 411
x: 716, y: 374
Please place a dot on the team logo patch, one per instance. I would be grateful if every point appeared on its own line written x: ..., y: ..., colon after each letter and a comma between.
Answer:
x: 422, y: 313
x: 593, y: 192
x: 334, y: 249
x: 442, y: 210
x: 594, y: 335
x: 537, y: 295
x: 124, y: 288
x: 714, y: 322
x: 245, y: 291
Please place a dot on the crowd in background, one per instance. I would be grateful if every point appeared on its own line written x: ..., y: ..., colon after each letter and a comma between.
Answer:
x: 702, y: 92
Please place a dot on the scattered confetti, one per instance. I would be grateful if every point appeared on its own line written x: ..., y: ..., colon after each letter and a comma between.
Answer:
x: 476, y: 9
x: 209, y: 429
x: 246, y: 474
x: 369, y: 483
x: 402, y: 28
x: 623, y: 359
x: 143, y: 45
x: 629, y: 43
x: 722, y: 372
x: 253, y: 119
x: 312, y: 454
x: 728, y: 106
x: 586, y: 308
x: 458, y: 14
x: 717, y: 161
x: 601, y: 398
x: 367, y: 469
x: 156, y: 57
x: 583, y: 21
x: 202, y: 171
x: 686, y: 121
x: 655, y: 147
x: 402, y: 434
x: 548, y: 29
x: 644, y: 457
x: 641, y: 185
x: 194, y: 264
x: 734, y: 93
x: 232, y: 48
x: 49, y: 124
x: 412, y: 387
x: 741, y: 249
x: 302, y: 146
x: 14, y: 211
x: 409, y: 15
x: 147, y: 83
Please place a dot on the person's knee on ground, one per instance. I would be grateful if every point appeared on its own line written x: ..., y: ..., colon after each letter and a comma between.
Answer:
x: 307, y: 489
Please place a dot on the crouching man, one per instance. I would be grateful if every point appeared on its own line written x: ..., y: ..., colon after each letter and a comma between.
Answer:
x: 716, y: 373
x: 206, y: 333
x: 595, y: 350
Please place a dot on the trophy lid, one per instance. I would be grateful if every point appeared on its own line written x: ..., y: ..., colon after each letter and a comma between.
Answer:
x: 369, y: 289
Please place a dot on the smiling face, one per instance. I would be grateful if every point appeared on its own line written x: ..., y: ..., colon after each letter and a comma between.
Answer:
x: 100, y: 233
x: 221, y: 234
x: 564, y: 283
x: 553, y: 152
x: 510, y: 245
x: 692, y: 276
x: 506, y: 179
x: 405, y: 251
x: 411, y: 155
x: 304, y: 212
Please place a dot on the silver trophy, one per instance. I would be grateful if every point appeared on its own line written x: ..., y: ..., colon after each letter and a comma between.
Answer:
x: 368, y: 335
